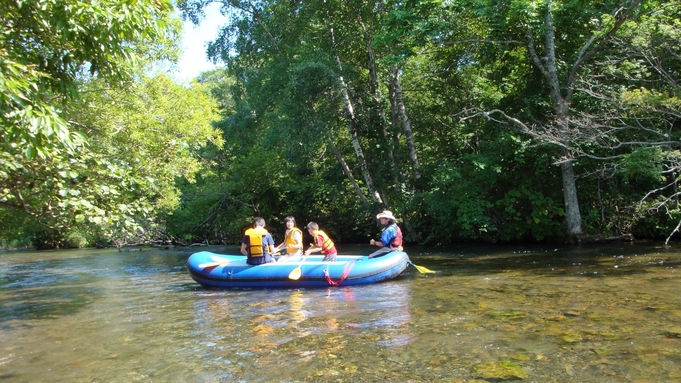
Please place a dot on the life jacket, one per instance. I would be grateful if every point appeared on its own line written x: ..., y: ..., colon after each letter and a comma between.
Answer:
x: 327, y: 245
x: 289, y: 241
x: 396, y: 243
x: 255, y: 238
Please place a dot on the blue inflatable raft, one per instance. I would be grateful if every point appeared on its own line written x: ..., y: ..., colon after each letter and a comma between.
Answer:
x: 218, y: 270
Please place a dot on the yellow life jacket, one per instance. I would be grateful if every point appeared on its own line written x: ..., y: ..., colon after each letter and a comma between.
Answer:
x: 255, y: 238
x: 327, y: 245
x: 289, y: 241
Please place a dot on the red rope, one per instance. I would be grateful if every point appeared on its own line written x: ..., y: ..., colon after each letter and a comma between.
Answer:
x: 346, y: 271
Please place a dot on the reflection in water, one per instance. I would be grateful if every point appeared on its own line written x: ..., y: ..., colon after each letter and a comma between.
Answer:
x: 588, y: 314
x: 263, y: 331
x: 297, y: 312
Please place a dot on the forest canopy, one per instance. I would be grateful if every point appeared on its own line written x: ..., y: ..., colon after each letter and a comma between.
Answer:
x: 493, y: 121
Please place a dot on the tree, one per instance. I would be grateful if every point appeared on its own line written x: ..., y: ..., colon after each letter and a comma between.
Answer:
x: 276, y: 29
x: 560, y: 60
x: 74, y: 104
x: 46, y: 46
x: 335, y: 89
x: 638, y: 88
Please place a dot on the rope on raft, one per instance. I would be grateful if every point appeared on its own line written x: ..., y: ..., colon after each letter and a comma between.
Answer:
x: 346, y: 271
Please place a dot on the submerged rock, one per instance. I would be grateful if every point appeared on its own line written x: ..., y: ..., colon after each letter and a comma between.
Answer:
x: 502, y: 370
x: 672, y: 332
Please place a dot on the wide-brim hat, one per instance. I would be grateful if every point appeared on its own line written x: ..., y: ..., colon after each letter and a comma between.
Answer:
x: 386, y: 214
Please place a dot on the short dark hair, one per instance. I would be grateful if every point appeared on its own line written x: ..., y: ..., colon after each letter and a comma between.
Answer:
x: 289, y: 218
x: 259, y: 222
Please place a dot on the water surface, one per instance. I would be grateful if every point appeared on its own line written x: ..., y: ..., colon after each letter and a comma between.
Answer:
x: 606, y: 313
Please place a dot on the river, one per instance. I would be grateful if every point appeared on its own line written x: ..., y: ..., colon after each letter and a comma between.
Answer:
x: 601, y: 313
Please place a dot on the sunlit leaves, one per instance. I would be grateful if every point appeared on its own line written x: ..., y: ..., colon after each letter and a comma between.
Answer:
x: 146, y: 136
x: 47, y: 45
x: 138, y: 139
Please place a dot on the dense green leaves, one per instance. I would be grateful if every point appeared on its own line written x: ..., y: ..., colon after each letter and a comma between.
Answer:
x: 46, y: 45
x: 471, y: 120
x: 498, y: 95
x: 88, y: 143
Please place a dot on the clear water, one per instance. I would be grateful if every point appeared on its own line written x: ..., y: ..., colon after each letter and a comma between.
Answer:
x: 606, y: 313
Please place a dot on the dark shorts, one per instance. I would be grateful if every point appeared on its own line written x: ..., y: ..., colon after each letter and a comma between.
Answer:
x: 329, y: 257
x: 259, y: 260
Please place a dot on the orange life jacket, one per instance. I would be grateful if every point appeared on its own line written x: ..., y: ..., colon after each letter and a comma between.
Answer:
x: 327, y: 245
x: 397, y: 241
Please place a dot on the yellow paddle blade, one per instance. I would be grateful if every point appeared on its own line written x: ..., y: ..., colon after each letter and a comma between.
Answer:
x: 295, y: 274
x: 423, y: 269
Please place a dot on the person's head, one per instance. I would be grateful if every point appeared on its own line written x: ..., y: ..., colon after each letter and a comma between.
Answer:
x: 312, y: 227
x: 385, y: 217
x: 259, y: 222
x: 290, y: 222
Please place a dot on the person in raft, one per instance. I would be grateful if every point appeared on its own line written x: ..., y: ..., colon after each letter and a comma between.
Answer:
x: 257, y: 244
x: 391, y: 236
x: 321, y: 243
x: 293, y: 241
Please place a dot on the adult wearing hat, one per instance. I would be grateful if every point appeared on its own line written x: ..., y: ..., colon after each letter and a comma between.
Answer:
x: 391, y: 236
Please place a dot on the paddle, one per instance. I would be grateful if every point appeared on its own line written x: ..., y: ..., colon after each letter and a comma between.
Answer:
x: 295, y: 274
x: 421, y: 269
x: 211, y: 264
x: 278, y: 252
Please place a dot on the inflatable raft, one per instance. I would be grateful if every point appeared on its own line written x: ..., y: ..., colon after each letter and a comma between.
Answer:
x: 217, y: 270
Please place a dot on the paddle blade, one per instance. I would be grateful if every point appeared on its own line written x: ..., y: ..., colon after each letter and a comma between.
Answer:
x: 209, y: 264
x: 295, y: 274
x: 422, y: 269
x: 212, y: 264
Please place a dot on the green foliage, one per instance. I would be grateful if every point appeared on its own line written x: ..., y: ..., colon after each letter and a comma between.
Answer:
x: 14, y: 230
x: 492, y: 203
x: 167, y: 125
x: 642, y: 165
x: 45, y: 46
x: 105, y: 188
x: 76, y: 240
x: 293, y: 68
x: 53, y: 171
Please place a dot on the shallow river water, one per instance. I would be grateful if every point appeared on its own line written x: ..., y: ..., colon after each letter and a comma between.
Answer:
x: 606, y: 313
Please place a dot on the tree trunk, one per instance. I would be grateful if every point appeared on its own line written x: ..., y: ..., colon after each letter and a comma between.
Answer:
x: 348, y: 173
x: 561, y: 107
x: 395, y: 122
x: 406, y: 124
x: 573, y: 218
x: 378, y: 98
x: 352, y: 130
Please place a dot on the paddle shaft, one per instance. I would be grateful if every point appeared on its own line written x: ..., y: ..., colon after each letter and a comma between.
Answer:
x: 211, y: 264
